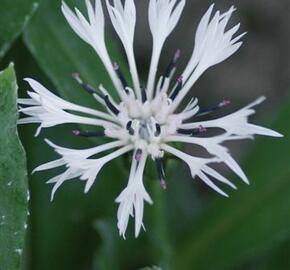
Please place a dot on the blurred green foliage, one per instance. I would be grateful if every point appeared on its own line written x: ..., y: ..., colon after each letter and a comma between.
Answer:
x: 152, y: 268
x: 187, y: 228
x: 254, y: 219
x: 14, y: 15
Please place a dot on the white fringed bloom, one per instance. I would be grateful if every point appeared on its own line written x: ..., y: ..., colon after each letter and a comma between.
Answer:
x: 145, y: 120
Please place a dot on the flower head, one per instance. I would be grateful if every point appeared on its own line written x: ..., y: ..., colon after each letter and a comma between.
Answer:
x: 145, y: 120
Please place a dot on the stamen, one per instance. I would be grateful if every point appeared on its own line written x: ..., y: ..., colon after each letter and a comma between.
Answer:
x: 100, y: 94
x: 202, y: 129
x: 89, y: 134
x: 110, y: 105
x: 161, y: 173
x: 158, y: 130
x: 171, y: 66
x: 121, y: 76
x: 177, y: 88
x: 185, y: 131
x: 138, y: 154
x: 191, y: 132
x: 86, y: 87
x: 163, y: 184
x: 222, y: 104
x: 129, y: 128
x: 143, y: 94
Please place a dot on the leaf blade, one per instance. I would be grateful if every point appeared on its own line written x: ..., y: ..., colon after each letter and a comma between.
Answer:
x: 13, y: 176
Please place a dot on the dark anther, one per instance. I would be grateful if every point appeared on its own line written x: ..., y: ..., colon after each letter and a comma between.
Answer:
x: 111, y: 106
x: 202, y: 129
x: 192, y: 132
x: 158, y: 130
x: 91, y: 90
x: 143, y: 94
x: 121, y: 76
x: 89, y: 134
x: 222, y: 104
x: 185, y: 131
x: 138, y: 154
x: 171, y: 66
x: 129, y: 128
x: 85, y: 86
x: 161, y: 173
x: 177, y: 88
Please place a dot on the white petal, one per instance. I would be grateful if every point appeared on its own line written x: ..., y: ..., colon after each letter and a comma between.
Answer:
x: 202, y: 27
x: 207, y: 181
x: 218, y: 176
x: 74, y: 22
x: 124, y: 22
x: 50, y: 165
x: 93, y: 33
x: 45, y: 95
x: 198, y: 167
x: 163, y: 17
x: 49, y: 110
x: 59, y: 182
x: 26, y: 101
x: 212, y: 146
x: 237, y: 123
x: 212, y: 45
x: 79, y: 165
x: 131, y: 200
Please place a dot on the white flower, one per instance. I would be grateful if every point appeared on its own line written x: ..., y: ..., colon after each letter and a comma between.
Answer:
x: 145, y: 121
x: 132, y: 198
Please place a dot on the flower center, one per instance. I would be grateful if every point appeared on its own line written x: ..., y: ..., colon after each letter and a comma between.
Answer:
x: 144, y: 127
x: 148, y: 129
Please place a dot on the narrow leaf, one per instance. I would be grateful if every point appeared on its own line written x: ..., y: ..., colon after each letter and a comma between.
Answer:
x: 13, y: 177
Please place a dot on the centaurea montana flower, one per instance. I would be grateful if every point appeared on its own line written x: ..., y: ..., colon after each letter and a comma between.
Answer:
x: 145, y: 120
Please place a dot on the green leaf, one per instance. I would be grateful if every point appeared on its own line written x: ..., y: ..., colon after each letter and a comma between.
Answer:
x: 276, y: 258
x: 254, y: 219
x: 151, y: 268
x: 156, y: 229
x: 109, y: 248
x: 13, y: 176
x: 13, y: 17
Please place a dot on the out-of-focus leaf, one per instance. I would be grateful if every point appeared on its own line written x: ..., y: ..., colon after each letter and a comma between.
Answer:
x: 115, y: 253
x: 157, y: 229
x: 276, y: 258
x: 254, y: 219
x: 108, y: 256
x: 151, y: 268
x: 13, y: 177
x: 13, y: 17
